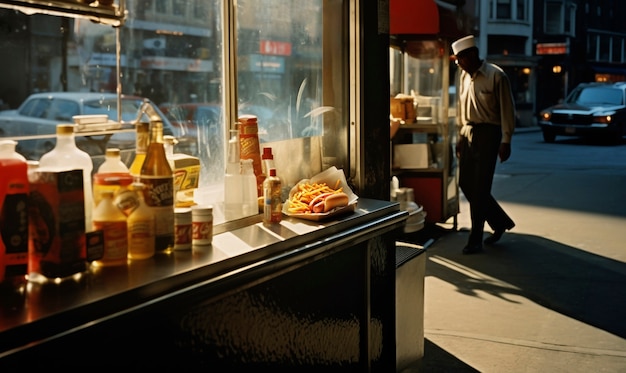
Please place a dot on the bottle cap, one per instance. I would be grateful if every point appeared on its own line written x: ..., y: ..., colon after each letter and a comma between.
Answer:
x: 272, y: 172
x: 113, y: 152
x: 202, y: 209
x: 267, y: 153
x: 65, y: 129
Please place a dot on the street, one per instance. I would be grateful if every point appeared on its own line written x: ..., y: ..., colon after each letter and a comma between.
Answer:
x: 550, y: 295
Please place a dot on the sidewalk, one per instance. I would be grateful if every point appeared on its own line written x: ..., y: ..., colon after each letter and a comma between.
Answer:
x: 527, y: 304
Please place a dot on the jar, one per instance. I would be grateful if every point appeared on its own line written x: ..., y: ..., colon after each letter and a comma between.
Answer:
x: 182, y: 229
x: 202, y: 224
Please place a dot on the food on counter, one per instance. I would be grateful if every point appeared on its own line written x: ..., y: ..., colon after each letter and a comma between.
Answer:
x: 317, y: 198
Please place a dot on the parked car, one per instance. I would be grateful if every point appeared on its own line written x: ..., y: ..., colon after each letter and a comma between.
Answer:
x: 40, y: 113
x: 590, y: 109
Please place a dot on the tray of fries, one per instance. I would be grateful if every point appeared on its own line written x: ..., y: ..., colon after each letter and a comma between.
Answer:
x: 328, y: 181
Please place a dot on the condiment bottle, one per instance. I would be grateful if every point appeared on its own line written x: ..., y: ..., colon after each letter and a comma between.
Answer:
x: 140, y: 225
x: 14, y: 190
x: 268, y: 160
x: 112, y: 221
x: 273, y: 205
x: 66, y: 156
x: 250, y: 148
x: 142, y: 133
x: 111, y: 175
x: 156, y: 174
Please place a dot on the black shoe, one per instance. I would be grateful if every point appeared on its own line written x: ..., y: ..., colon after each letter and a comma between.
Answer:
x: 495, y: 237
x: 472, y: 248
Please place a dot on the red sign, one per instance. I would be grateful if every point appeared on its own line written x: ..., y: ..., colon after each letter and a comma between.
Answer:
x: 551, y: 48
x: 277, y: 48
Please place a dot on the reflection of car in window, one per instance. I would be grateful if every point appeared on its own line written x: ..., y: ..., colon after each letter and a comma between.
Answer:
x: 590, y: 109
x: 40, y: 113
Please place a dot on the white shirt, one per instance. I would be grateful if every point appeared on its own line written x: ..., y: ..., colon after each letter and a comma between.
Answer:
x: 486, y: 97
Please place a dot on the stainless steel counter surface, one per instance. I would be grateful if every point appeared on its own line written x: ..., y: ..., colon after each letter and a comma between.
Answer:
x: 41, y: 311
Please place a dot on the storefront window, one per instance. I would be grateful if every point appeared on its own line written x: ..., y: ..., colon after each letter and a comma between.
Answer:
x: 289, y: 70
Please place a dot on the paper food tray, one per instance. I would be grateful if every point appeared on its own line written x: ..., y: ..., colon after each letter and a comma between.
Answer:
x: 330, y: 177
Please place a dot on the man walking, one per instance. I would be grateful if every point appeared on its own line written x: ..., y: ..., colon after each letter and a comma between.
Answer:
x: 486, y: 115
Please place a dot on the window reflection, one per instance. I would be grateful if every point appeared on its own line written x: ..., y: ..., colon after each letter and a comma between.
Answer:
x: 291, y: 61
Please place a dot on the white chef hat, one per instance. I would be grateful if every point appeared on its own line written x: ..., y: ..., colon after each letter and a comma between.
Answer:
x: 463, y: 44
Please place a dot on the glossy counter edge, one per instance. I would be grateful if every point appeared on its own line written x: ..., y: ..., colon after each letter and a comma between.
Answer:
x: 43, y: 311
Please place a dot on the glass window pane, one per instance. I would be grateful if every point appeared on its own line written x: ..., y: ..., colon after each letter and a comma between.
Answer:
x: 279, y: 66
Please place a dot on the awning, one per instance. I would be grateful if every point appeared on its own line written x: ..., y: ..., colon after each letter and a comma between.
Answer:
x: 414, y: 17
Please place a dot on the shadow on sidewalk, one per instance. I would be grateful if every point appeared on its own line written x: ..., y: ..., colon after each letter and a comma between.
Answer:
x: 573, y: 282
x: 438, y: 360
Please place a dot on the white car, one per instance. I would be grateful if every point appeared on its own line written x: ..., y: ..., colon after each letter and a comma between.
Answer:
x: 40, y: 113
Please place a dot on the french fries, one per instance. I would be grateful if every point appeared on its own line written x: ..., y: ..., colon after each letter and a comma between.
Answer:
x: 306, y: 192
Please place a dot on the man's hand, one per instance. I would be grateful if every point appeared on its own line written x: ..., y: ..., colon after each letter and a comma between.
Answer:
x: 504, y: 152
x: 459, y: 147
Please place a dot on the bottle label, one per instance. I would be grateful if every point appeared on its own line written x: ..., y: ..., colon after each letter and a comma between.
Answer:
x: 202, y: 233
x: 115, y: 239
x: 159, y: 191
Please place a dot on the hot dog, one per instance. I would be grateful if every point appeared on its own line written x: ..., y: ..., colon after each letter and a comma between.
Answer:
x: 328, y: 201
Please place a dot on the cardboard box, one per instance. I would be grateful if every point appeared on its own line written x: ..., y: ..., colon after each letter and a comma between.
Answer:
x: 56, y: 216
x: 403, y: 108
x: 411, y: 156
x: 186, y: 178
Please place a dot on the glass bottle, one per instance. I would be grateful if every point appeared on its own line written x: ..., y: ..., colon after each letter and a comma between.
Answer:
x: 156, y: 174
x: 273, y: 205
x: 250, y: 148
x: 66, y: 156
x: 140, y: 226
x: 141, y: 147
x: 112, y: 221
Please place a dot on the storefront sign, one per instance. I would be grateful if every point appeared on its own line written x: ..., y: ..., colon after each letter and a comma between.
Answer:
x: 176, y: 64
x: 551, y: 48
x: 277, y: 48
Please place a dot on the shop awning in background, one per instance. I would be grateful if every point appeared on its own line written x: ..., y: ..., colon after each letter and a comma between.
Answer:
x: 414, y: 17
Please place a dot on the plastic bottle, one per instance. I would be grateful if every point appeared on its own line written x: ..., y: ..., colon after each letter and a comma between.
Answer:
x: 249, y: 194
x: 7, y: 149
x: 140, y: 225
x: 112, y: 221
x: 141, y: 147
x: 268, y: 160
x: 67, y: 156
x: 156, y: 174
x: 233, y: 193
x: 14, y: 190
x: 273, y: 205
x: 112, y: 175
x: 168, y: 143
x: 250, y: 148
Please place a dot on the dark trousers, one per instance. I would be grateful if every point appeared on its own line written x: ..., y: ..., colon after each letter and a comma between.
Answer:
x: 477, y: 164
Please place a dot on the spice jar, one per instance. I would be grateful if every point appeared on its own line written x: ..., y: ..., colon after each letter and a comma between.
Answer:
x: 182, y: 229
x: 202, y: 224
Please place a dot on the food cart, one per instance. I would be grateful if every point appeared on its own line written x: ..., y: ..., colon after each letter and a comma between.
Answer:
x: 422, y: 148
